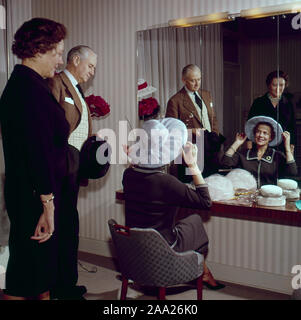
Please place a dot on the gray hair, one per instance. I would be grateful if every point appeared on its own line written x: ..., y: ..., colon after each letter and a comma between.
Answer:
x: 189, y: 67
x: 81, y: 51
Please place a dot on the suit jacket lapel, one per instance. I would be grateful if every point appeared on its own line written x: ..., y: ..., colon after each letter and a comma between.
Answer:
x: 206, y: 98
x: 188, y: 104
x: 76, y: 99
x: 72, y: 92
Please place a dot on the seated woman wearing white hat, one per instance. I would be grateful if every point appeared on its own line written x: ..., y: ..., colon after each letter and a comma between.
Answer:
x: 264, y: 162
x: 153, y: 197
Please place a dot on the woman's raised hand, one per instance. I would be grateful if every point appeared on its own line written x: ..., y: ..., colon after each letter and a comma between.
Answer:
x: 240, y: 138
x: 287, y: 140
x: 190, y: 152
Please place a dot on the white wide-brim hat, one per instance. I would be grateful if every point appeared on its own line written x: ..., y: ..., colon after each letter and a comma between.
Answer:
x: 144, y: 89
x: 251, y: 123
x: 160, y: 142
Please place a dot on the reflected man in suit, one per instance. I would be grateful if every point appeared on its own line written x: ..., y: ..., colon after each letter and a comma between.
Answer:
x: 195, y: 108
x: 65, y: 86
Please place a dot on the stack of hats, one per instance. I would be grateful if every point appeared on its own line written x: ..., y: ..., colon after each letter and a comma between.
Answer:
x: 271, y: 196
x: 290, y: 189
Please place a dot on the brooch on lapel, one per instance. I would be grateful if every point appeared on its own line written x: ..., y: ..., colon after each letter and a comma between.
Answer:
x: 268, y: 158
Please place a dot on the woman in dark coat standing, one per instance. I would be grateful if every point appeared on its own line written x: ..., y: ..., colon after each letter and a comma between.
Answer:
x: 35, y: 132
x: 276, y: 104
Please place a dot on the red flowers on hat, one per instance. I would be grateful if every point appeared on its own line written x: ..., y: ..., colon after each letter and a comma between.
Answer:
x: 147, y: 106
x: 97, y: 105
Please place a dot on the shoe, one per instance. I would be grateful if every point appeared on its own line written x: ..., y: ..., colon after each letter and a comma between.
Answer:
x: 211, y: 287
x: 73, y: 293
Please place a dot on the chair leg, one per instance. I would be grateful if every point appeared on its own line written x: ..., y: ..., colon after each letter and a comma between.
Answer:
x: 200, y: 288
x: 162, y: 292
x: 124, y: 288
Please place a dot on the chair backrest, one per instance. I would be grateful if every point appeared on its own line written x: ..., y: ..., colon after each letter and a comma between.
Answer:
x: 145, y: 257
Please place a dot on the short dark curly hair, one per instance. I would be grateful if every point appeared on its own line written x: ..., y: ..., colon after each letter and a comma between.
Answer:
x: 37, y: 35
x: 274, y: 74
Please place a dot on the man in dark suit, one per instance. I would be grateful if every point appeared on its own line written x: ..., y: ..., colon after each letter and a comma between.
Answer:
x: 195, y: 108
x: 81, y: 64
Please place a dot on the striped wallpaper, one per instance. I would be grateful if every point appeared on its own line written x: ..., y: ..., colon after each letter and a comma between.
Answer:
x: 18, y: 11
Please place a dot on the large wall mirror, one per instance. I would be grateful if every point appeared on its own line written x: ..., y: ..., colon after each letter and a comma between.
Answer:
x: 234, y: 56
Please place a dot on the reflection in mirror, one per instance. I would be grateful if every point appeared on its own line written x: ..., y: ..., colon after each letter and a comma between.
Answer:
x: 163, y: 52
x: 235, y: 58
x: 250, y: 54
x: 289, y: 61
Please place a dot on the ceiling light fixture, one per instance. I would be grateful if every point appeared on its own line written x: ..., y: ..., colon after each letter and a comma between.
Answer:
x: 197, y: 20
x: 271, y: 10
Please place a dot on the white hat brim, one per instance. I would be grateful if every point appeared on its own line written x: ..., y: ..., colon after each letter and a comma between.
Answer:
x: 146, y: 91
x: 174, y: 135
x: 251, y: 123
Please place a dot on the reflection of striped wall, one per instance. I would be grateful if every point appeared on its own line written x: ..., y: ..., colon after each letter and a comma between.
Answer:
x: 109, y: 27
x: 255, y: 246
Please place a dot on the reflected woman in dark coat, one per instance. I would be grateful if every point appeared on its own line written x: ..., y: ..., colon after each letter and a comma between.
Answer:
x: 264, y: 162
x: 275, y: 103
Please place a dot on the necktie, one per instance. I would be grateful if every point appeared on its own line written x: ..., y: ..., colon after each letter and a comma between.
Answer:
x: 198, y: 101
x: 80, y: 90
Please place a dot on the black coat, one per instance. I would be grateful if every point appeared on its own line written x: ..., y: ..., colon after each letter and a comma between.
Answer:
x: 35, y: 133
x: 153, y: 198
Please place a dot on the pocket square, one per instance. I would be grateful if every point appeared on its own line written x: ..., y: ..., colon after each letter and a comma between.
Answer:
x: 69, y: 100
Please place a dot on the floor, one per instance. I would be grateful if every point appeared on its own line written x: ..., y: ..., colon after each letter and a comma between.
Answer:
x: 99, y: 275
